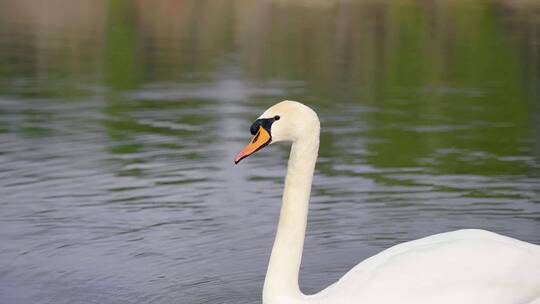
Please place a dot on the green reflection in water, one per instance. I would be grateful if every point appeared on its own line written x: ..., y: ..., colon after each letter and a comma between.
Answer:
x: 455, y: 103
x: 122, y: 73
x: 443, y: 84
x: 121, y: 60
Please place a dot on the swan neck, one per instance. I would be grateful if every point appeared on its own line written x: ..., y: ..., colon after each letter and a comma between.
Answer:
x: 282, y: 276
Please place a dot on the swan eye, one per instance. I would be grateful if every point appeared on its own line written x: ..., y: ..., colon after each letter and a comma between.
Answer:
x: 276, y: 117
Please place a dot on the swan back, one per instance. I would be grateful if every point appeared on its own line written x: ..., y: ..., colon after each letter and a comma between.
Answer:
x: 465, y: 266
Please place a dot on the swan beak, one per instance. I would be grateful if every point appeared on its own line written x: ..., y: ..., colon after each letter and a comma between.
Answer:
x: 261, y: 139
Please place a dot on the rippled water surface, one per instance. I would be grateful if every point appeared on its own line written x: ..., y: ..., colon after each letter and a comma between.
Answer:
x: 119, y: 121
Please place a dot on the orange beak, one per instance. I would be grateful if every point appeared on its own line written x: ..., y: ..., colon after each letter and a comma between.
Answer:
x: 259, y: 141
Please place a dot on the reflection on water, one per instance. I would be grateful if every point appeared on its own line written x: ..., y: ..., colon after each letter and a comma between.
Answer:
x: 119, y: 121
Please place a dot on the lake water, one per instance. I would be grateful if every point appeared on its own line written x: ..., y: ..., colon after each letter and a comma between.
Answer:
x: 119, y: 121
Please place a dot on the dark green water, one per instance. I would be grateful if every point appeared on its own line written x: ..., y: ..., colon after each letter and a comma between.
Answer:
x: 119, y: 121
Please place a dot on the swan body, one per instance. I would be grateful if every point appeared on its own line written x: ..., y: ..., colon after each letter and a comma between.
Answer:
x: 465, y: 266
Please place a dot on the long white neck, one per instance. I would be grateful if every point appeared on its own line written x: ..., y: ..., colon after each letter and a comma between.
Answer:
x: 281, y: 283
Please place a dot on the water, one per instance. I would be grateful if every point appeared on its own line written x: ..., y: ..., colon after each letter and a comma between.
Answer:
x: 119, y: 121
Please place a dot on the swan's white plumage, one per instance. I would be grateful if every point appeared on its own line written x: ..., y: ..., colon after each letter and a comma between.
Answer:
x: 465, y: 266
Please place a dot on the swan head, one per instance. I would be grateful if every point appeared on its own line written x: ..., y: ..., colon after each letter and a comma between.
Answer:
x: 288, y: 121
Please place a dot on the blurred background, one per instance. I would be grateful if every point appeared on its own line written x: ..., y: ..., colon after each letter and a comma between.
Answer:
x: 119, y: 121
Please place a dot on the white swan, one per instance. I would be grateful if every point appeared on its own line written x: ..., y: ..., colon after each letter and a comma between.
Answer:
x: 464, y: 266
